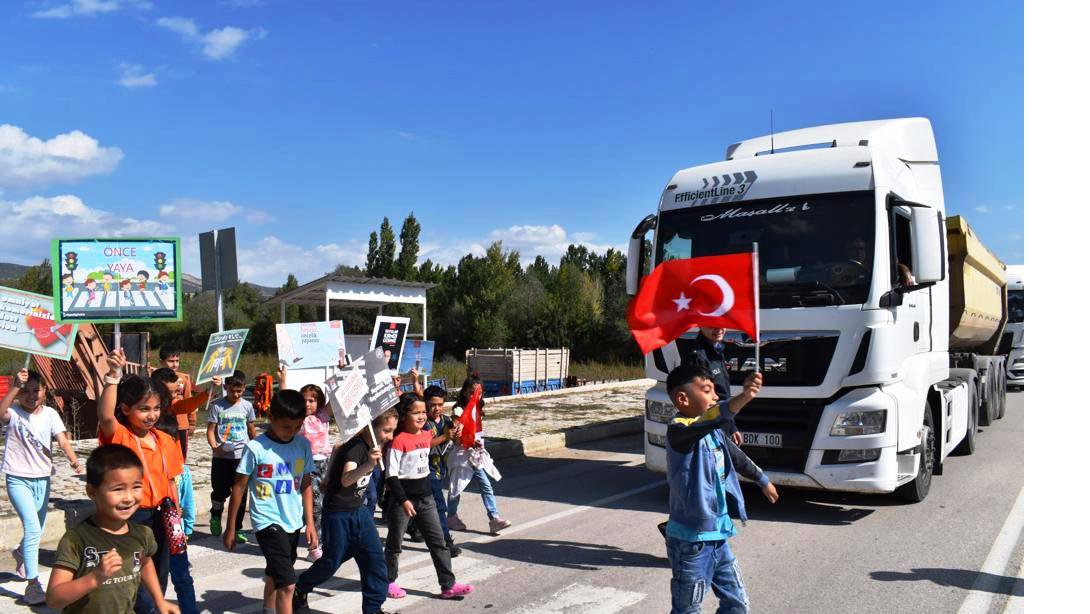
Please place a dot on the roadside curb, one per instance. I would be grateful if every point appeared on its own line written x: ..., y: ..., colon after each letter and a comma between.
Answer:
x: 58, y: 519
x: 530, y: 396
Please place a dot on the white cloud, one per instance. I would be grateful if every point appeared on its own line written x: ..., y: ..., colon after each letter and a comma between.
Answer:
x: 215, y: 44
x: 243, y: 4
x: 134, y: 75
x: 88, y: 8
x: 408, y: 136
x: 210, y: 211
x: 548, y: 241
x: 30, y: 224
x: 65, y: 158
x: 269, y: 260
x: 982, y: 209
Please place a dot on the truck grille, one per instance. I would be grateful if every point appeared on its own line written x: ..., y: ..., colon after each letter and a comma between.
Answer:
x: 795, y: 419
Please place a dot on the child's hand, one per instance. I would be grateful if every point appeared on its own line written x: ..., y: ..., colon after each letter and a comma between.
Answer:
x: 770, y: 492
x: 409, y: 509
x: 282, y: 374
x: 312, y: 538
x: 752, y: 386
x: 416, y: 374
x: 74, y: 464
x: 109, y: 565
x: 376, y: 456
x: 229, y: 540
x: 737, y: 438
x: 116, y: 361
x: 217, y: 381
x: 167, y: 607
x: 21, y: 378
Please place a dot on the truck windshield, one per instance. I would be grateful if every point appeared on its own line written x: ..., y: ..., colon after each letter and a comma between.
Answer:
x: 1015, y: 307
x: 814, y: 250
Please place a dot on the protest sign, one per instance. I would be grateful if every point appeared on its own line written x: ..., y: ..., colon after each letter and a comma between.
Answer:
x: 27, y: 325
x: 390, y: 334
x: 307, y: 345
x: 221, y: 355
x: 418, y: 355
x: 361, y: 391
x: 117, y: 280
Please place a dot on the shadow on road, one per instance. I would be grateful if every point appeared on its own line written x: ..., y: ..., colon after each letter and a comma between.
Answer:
x: 566, y: 554
x: 801, y: 507
x: 960, y: 578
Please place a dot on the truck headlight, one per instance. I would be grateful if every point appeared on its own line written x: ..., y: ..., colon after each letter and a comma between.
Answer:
x: 859, y: 423
x: 657, y: 411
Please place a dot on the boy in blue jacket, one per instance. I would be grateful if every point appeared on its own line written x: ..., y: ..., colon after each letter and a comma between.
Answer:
x: 702, y: 468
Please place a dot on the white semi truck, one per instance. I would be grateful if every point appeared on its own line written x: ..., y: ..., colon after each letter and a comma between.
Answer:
x: 1014, y: 339
x: 880, y: 318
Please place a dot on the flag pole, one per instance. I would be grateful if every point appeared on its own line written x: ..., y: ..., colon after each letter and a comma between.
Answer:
x: 757, y: 305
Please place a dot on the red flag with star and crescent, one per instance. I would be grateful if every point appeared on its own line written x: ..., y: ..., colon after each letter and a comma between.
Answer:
x: 713, y: 291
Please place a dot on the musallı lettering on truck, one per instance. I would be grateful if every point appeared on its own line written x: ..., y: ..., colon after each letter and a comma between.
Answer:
x: 881, y: 317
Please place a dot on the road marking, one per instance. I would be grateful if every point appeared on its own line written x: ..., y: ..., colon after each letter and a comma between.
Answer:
x: 986, y: 586
x: 1016, y: 603
x: 583, y: 599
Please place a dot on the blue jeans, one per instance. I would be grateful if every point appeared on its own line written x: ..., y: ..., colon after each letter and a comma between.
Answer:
x: 486, y: 495
x: 695, y: 566
x: 440, y: 503
x: 350, y: 535
x: 30, y: 498
x: 186, y: 503
x: 183, y: 583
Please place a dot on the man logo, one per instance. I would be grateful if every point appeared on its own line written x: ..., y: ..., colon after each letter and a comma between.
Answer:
x: 768, y: 364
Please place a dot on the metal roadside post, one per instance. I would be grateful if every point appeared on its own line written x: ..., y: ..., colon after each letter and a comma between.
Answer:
x: 219, y: 268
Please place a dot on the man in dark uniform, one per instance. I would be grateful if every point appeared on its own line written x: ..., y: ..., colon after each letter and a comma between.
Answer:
x: 709, y: 354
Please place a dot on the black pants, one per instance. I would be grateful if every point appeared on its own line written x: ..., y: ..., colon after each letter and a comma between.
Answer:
x: 223, y: 480
x: 427, y: 522
x: 350, y: 535
x: 154, y: 520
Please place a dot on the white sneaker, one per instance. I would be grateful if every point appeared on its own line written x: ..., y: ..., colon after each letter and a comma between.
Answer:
x: 455, y: 523
x: 34, y: 594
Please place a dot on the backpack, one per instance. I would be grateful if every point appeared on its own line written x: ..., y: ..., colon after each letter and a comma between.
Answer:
x: 263, y: 392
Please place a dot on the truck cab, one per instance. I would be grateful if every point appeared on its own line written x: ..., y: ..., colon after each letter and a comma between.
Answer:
x: 1014, y: 337
x: 854, y: 302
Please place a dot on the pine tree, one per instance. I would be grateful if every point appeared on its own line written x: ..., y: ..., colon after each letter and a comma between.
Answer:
x: 372, y: 253
x: 387, y: 250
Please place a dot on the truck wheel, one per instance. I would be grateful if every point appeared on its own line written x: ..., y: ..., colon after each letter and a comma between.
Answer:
x: 1001, y: 390
x: 916, y: 490
x: 984, y: 391
x: 968, y: 445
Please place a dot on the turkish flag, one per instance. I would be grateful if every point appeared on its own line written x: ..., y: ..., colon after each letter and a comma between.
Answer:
x: 713, y: 291
x: 471, y: 420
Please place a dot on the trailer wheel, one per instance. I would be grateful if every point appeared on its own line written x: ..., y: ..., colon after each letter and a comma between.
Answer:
x: 968, y: 445
x: 986, y: 411
x: 1001, y: 388
x: 916, y: 490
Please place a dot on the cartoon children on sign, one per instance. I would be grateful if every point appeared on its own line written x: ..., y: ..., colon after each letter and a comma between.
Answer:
x: 126, y: 291
x: 69, y: 285
x: 90, y: 284
x: 164, y: 281
x: 142, y: 280
x: 107, y: 281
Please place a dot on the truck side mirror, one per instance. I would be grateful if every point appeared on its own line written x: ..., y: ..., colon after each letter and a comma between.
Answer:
x: 928, y: 245
x: 634, y: 270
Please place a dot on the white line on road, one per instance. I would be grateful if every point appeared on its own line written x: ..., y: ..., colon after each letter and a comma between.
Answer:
x: 987, y: 582
x: 583, y: 599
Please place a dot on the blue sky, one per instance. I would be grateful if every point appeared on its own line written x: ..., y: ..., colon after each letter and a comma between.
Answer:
x: 539, y: 123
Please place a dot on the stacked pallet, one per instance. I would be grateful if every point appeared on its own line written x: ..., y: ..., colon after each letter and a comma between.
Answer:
x: 507, y: 371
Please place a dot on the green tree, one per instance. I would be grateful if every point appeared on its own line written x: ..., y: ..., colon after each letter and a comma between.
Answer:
x: 372, y: 253
x: 387, y: 250
x: 37, y: 279
x: 410, y: 248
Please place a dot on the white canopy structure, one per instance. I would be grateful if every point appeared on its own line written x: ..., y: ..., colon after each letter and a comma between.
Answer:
x: 349, y: 290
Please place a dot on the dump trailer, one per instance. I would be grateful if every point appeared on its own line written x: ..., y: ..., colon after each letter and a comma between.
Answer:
x: 880, y: 317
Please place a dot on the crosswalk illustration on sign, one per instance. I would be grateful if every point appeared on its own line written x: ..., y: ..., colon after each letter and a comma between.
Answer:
x: 101, y: 302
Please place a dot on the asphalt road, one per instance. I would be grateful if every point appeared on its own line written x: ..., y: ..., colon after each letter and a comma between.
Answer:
x: 584, y: 540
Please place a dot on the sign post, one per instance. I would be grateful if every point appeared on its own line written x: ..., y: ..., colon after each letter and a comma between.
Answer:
x: 219, y: 265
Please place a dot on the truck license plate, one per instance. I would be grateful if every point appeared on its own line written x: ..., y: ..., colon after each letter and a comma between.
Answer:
x: 762, y: 440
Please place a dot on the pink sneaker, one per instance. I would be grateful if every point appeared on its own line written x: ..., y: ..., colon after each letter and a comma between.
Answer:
x: 314, y: 555
x: 394, y: 591
x: 458, y: 590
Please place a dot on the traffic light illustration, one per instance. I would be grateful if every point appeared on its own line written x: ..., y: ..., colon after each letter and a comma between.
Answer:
x: 71, y: 261
x: 160, y: 261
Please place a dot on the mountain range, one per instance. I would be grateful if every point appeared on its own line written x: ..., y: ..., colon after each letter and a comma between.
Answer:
x: 190, y: 283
